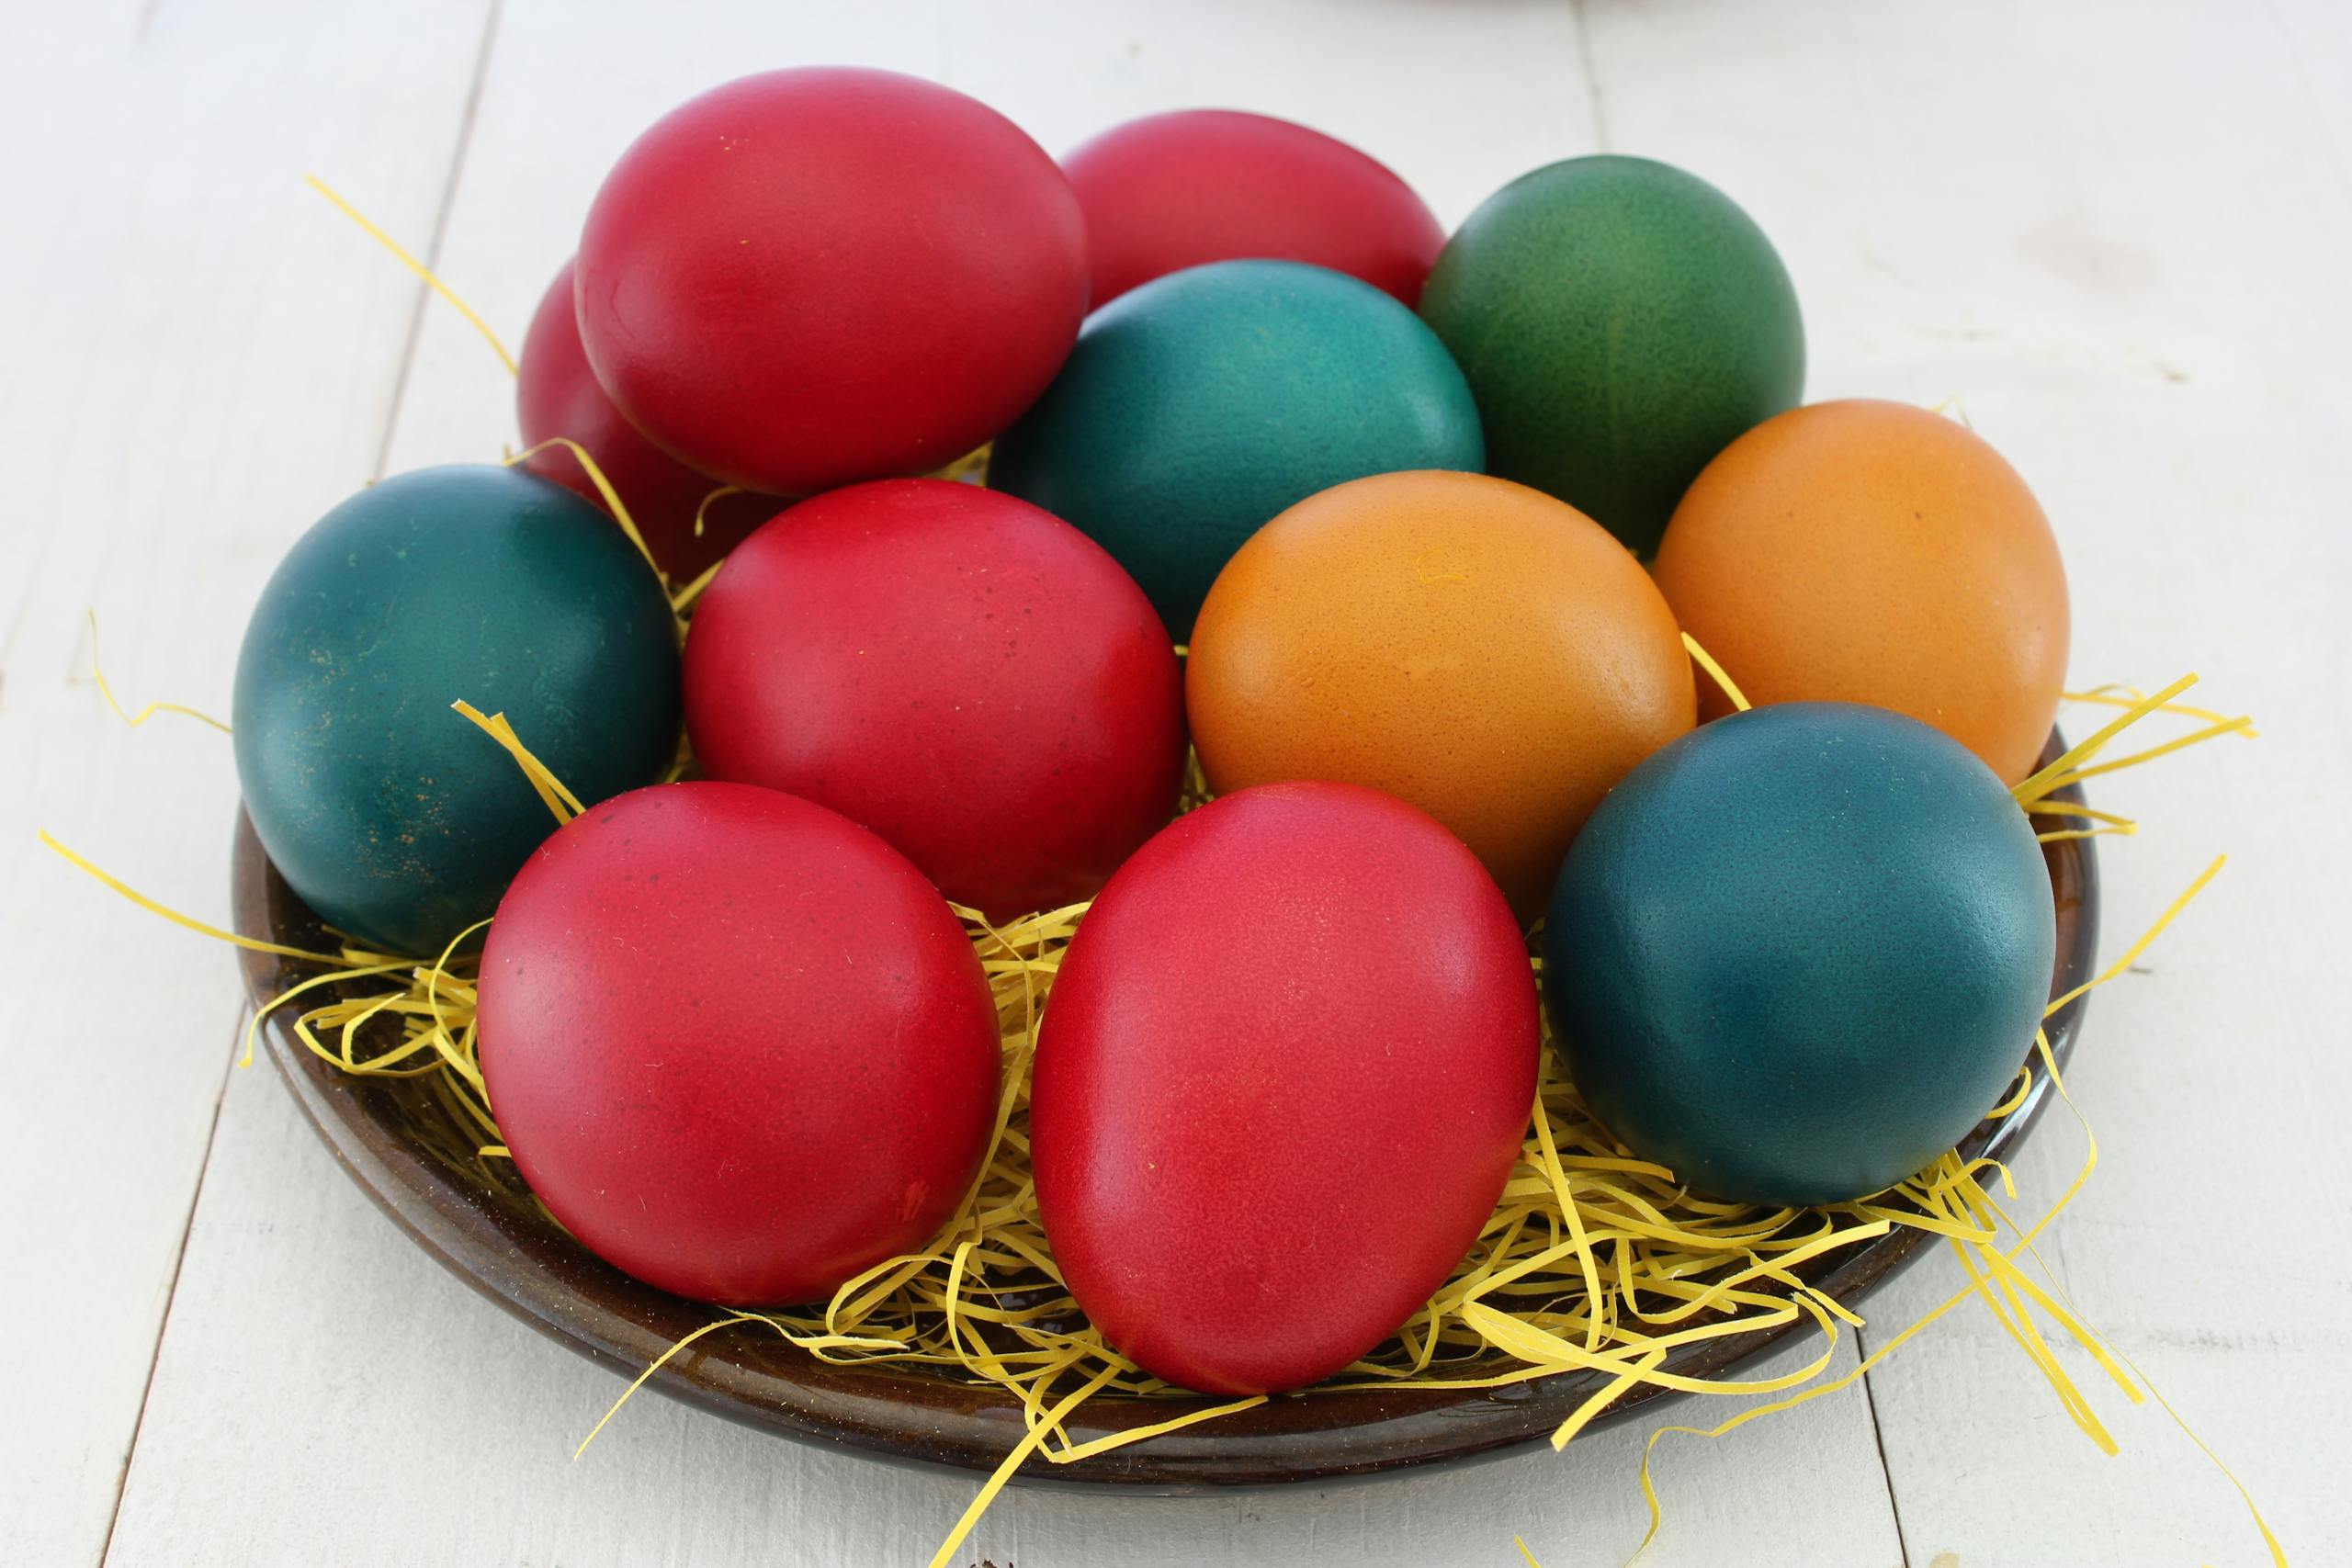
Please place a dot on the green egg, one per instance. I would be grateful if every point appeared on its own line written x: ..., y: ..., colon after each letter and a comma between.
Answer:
x: 394, y: 817
x: 1196, y: 407
x: 1621, y: 322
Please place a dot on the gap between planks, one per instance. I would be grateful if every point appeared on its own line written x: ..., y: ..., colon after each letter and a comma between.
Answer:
x: 1878, y: 1442
x: 172, y: 1285
x: 1590, y: 70
x: 466, y: 119
x: 392, y: 419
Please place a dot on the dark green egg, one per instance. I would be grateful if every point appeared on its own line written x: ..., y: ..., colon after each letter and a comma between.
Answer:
x: 1621, y: 322
x: 1196, y: 407
x: 395, y: 818
x: 1799, y: 952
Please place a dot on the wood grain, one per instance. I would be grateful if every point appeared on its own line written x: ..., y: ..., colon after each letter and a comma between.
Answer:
x: 2115, y: 230
x: 2105, y: 228
x: 198, y: 363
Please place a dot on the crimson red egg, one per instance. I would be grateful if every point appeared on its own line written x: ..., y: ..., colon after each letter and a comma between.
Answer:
x: 1282, y: 1077
x: 1176, y: 190
x: 736, y: 1043
x: 963, y: 672
x: 556, y: 395
x: 817, y: 275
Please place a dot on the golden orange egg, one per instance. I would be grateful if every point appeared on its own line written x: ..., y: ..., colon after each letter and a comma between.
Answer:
x: 1874, y: 552
x: 1480, y: 650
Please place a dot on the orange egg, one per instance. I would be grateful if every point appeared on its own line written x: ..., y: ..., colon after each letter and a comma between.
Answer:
x: 1470, y: 645
x: 1874, y: 552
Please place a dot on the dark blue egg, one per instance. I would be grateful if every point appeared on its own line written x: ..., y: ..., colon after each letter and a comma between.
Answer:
x: 1196, y: 407
x: 1799, y: 952
x: 395, y: 818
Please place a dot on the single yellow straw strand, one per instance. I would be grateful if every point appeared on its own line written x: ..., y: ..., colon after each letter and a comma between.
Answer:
x: 2131, y: 956
x: 1157, y: 1428
x: 185, y: 921
x: 654, y: 1366
x: 692, y: 591
x: 613, y: 502
x: 416, y: 266
x: 151, y: 709
x: 721, y: 493
x: 1715, y: 673
x: 2058, y: 835
x: 557, y: 799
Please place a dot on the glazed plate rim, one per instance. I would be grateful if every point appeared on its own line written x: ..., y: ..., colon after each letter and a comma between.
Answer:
x: 513, y: 1255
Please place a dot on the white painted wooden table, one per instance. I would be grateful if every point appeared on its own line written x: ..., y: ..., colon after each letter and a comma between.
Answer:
x: 2118, y: 231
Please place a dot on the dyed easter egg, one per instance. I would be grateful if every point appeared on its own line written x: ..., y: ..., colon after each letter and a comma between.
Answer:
x: 396, y: 819
x: 736, y: 1043
x: 1284, y: 1072
x: 556, y: 395
x: 1197, y: 406
x: 966, y: 675
x: 1621, y: 322
x: 1467, y: 644
x: 1798, y: 954
x: 810, y: 276
x: 1873, y: 552
x: 1176, y: 190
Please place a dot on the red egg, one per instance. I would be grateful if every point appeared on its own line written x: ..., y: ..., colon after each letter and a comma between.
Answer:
x: 811, y: 276
x: 1284, y: 1075
x: 736, y: 1043
x: 1176, y: 190
x: 556, y: 394
x: 963, y: 672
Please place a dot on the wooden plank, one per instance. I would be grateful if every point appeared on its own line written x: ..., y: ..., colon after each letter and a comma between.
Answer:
x: 381, y: 1390
x: 2110, y: 230
x: 198, y: 363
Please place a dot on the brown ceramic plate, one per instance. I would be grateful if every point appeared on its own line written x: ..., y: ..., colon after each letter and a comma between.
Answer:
x: 419, y: 1166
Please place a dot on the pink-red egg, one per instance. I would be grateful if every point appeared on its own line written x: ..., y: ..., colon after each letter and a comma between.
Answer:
x: 736, y: 1043
x: 1283, y: 1074
x: 961, y: 671
x: 556, y: 395
x: 812, y: 277
x: 1176, y: 190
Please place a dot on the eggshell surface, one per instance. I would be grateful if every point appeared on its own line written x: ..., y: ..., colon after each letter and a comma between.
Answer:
x: 1621, y: 322
x: 1874, y: 552
x: 811, y: 276
x: 1199, y: 405
x: 1798, y: 954
x: 396, y: 819
x: 963, y: 673
x: 1175, y: 190
x: 1282, y: 1077
x: 1467, y: 644
x: 736, y: 1043
x: 557, y: 395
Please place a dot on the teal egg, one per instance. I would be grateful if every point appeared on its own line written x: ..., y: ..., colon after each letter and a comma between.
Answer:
x: 1621, y: 322
x: 1796, y: 954
x: 395, y: 818
x: 1199, y: 405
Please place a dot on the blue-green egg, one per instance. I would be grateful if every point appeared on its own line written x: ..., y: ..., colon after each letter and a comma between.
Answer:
x: 394, y: 817
x: 1796, y: 954
x: 1196, y: 407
